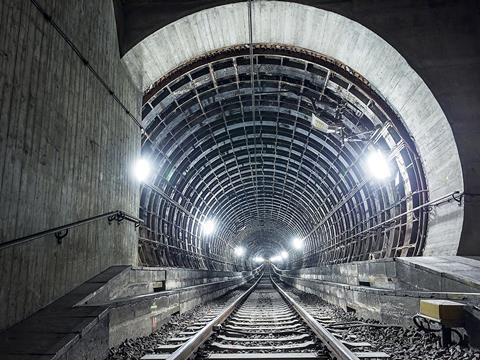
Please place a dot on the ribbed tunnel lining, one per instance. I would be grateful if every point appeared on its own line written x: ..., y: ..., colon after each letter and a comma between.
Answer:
x: 303, y: 183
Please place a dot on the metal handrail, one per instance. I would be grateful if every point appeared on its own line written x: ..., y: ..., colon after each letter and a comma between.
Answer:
x: 455, y: 196
x: 193, y: 253
x: 61, y: 231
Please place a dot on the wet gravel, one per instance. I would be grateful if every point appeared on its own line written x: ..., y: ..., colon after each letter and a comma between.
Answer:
x: 398, y: 342
x: 134, y: 349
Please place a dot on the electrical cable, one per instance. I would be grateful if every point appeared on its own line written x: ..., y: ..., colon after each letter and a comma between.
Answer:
x: 48, y: 18
x: 347, y: 325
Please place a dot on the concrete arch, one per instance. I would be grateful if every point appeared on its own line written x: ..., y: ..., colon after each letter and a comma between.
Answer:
x: 345, y: 41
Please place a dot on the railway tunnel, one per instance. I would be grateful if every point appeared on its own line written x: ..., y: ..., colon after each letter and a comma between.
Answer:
x: 162, y: 158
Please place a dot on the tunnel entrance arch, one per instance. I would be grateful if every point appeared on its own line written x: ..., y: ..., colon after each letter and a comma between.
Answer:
x: 353, y: 47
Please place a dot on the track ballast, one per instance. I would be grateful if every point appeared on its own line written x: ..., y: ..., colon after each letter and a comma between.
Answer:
x: 264, y: 326
x: 263, y: 323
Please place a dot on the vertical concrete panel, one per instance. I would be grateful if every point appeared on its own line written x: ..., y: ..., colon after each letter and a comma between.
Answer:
x: 66, y: 148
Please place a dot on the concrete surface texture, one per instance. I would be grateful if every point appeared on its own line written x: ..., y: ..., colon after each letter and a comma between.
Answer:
x: 84, y: 323
x: 437, y: 38
x: 66, y: 148
x: 390, y: 290
x: 426, y: 273
x: 339, y: 38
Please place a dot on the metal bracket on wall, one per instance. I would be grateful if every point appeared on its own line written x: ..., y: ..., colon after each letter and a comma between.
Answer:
x: 119, y: 217
x: 60, y: 235
x: 457, y: 196
x: 61, y: 231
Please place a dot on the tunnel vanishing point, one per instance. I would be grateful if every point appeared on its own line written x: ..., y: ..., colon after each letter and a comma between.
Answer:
x: 155, y: 153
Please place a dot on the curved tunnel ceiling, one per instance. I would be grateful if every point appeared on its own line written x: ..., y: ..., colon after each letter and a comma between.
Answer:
x: 268, y: 178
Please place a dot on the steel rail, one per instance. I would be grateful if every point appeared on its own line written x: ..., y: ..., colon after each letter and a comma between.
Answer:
x: 191, y: 346
x: 61, y: 231
x: 339, y: 350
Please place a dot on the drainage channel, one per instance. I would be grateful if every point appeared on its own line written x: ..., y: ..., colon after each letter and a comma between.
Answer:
x: 263, y: 323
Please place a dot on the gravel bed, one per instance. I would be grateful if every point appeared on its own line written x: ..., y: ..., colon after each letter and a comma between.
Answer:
x: 265, y: 301
x: 399, y: 343
x: 134, y: 349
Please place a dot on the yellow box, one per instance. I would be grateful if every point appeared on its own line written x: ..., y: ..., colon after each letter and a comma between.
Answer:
x: 446, y: 312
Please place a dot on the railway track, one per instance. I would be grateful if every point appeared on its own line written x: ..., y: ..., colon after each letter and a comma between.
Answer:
x: 265, y: 322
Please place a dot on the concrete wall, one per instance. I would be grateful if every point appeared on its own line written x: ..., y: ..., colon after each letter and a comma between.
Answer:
x: 435, y: 273
x: 342, y: 39
x: 140, y: 281
x: 390, y: 290
x: 178, y: 278
x: 136, y: 317
x: 85, y: 322
x: 65, y: 150
x: 130, y: 282
x: 135, y: 310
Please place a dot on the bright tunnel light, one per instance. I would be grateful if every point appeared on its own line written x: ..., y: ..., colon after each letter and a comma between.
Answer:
x: 141, y: 169
x: 239, y: 251
x: 284, y: 254
x: 297, y: 243
x: 276, y: 258
x: 258, y: 259
x: 378, y: 165
x: 208, y: 227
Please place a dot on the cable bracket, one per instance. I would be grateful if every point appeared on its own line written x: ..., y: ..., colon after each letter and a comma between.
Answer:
x: 60, y: 235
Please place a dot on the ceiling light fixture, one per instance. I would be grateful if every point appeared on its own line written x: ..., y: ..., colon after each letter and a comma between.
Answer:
x: 239, y: 251
x: 141, y: 169
x: 321, y: 125
x: 378, y: 165
x: 208, y: 227
x: 297, y: 243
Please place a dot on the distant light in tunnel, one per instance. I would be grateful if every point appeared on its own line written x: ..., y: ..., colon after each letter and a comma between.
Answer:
x: 378, y: 165
x: 277, y: 258
x: 297, y: 243
x: 284, y: 254
x: 208, y: 227
x: 258, y: 259
x: 239, y: 251
x: 141, y: 169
